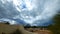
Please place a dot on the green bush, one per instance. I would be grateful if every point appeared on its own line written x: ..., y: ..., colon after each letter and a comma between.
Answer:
x: 55, y: 28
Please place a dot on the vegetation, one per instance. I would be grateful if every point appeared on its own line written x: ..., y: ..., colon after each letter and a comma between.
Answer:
x: 55, y: 28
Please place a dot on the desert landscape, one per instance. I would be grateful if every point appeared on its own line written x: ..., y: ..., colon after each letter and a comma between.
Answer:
x: 39, y: 31
x: 29, y: 16
x: 13, y: 29
x: 19, y: 29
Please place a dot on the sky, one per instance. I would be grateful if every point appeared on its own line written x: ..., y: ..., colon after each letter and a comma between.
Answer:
x: 33, y: 12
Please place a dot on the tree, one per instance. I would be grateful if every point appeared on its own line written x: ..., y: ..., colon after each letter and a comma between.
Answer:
x: 56, y: 27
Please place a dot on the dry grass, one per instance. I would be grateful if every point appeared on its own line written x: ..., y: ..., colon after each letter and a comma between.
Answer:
x: 9, y: 29
x: 19, y: 29
x: 39, y: 31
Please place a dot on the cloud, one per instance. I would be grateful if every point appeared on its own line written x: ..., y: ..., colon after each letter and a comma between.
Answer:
x: 12, y: 22
x: 34, y: 13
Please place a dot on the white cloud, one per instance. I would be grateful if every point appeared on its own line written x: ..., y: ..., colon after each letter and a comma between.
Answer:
x: 34, y: 10
x: 12, y: 22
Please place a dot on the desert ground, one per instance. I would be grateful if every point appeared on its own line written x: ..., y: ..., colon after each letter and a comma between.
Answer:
x: 39, y: 31
x: 19, y: 29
